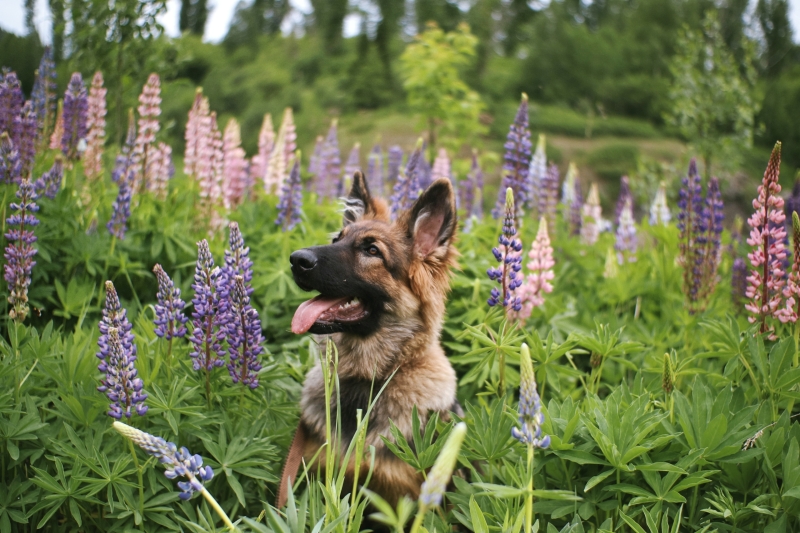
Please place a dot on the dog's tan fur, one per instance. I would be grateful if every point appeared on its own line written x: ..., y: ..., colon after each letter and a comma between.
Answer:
x: 406, y: 343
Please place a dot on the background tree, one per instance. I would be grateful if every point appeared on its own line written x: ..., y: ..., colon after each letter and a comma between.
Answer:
x: 328, y: 19
x: 250, y: 21
x: 773, y: 18
x: 193, y: 16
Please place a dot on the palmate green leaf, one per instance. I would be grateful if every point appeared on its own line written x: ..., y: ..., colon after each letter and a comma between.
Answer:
x: 595, y: 480
x: 504, y: 491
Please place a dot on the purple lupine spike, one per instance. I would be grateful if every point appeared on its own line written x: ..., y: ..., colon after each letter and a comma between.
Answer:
x: 19, y: 250
x: 290, y: 207
x: 26, y: 138
x: 712, y: 219
x: 516, y: 160
x: 576, y: 208
x: 170, y: 320
x: 207, y: 351
x: 331, y: 164
x: 124, y: 160
x: 353, y: 163
x: 624, y: 196
x: 11, y: 102
x: 548, y: 194
x: 121, y: 208
x: 509, y: 255
x: 243, y: 332
x: 375, y: 171
x: 10, y: 162
x: 179, y: 463
x: 627, y: 242
x: 44, y: 93
x: 531, y: 416
x: 315, y: 166
x: 237, y: 260
x: 50, y: 182
x: 690, y: 203
x: 424, y: 172
x: 406, y: 189
x: 117, y: 356
x: 536, y: 172
x: 76, y: 108
x: 395, y: 161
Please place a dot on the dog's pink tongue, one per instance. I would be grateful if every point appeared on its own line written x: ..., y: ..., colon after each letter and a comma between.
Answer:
x: 310, y: 311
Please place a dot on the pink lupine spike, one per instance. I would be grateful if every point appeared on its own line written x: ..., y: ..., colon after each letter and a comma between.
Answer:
x: 441, y: 166
x: 149, y: 110
x: 766, y: 279
x: 162, y: 170
x: 195, y: 132
x: 266, y: 141
x: 96, y: 125
x: 540, y: 267
x: 234, y: 166
x: 791, y: 312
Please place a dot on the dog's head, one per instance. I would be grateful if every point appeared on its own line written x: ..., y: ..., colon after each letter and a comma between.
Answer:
x: 375, y: 267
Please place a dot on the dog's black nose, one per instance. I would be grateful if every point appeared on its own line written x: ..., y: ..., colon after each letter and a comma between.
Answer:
x: 303, y: 259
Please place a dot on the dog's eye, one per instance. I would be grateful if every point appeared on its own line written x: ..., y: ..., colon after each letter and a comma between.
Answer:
x: 373, y: 250
x: 336, y: 239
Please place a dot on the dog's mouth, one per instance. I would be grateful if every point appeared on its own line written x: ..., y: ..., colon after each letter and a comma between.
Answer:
x: 323, y: 313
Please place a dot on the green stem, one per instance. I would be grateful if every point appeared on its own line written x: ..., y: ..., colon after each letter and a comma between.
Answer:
x: 139, y: 475
x: 529, y: 496
x: 208, y: 386
x: 418, y: 519
x: 214, y: 505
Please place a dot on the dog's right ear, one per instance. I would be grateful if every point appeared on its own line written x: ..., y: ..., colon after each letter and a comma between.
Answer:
x: 360, y: 205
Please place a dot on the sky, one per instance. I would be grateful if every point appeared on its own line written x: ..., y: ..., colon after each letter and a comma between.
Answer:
x: 12, y: 18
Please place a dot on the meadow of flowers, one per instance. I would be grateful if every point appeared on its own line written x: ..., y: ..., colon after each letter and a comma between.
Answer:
x: 629, y: 371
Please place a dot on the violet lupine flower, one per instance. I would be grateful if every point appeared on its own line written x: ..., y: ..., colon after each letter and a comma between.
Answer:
x: 441, y: 166
x: 330, y: 165
x: 11, y: 102
x: 627, y: 242
x: 516, y: 160
x: 237, y: 263
x: 234, y: 166
x: 537, y: 171
x: 96, y: 125
x: 290, y: 207
x: 375, y: 171
x: 531, y: 416
x: 10, y: 161
x: 395, y: 161
x: 179, y: 463
x: 573, y: 200
x: 170, y: 320
x: 766, y: 280
x: 58, y: 128
x: 266, y: 141
x: 659, y: 210
x: 710, y: 240
x: 315, y: 164
x: 195, y: 133
x: 123, y: 163
x: 50, y: 182
x: 117, y: 356
x: 353, y: 163
x: 149, y: 110
x: 424, y: 171
x: 548, y: 194
x: 121, y: 208
x: 406, y: 189
x: 509, y: 255
x: 624, y: 196
x: 690, y: 202
x: 207, y: 351
x: 27, y: 137
x: 243, y: 331
x: 19, y: 250
x: 791, y: 311
x: 591, y: 214
x: 540, y: 267
x: 76, y: 108
x: 44, y: 93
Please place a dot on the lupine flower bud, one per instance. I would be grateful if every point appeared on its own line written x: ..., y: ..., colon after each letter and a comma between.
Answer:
x: 50, y: 182
x: 516, y: 160
x: 206, y: 339
x: 234, y: 167
x: 531, y: 416
x: 169, y: 319
x: 290, y: 207
x: 96, y: 124
x: 509, y: 255
x: 540, y: 267
x: 441, y: 166
x: 179, y: 463
x: 19, y: 250
x: 434, y: 487
x: 591, y: 214
x: 668, y: 375
x: 375, y: 170
x: 659, y: 210
x: 76, y: 107
x: 627, y: 243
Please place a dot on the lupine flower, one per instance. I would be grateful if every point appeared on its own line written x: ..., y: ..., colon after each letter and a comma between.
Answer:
x: 435, y: 485
x: 50, y: 182
x: 76, y: 107
x: 568, y: 186
x: 690, y: 202
x: 26, y: 139
x: 626, y: 235
x: 197, y: 127
x: 537, y: 172
x: 10, y: 161
x: 266, y: 141
x: 117, y: 356
x: 121, y: 208
x: 739, y: 281
x: 237, y: 260
x: 149, y: 110
x: 531, y: 416
x: 659, y: 210
x: 169, y: 319
x: 395, y: 161
x: 96, y: 124
x: 290, y: 207
x: 330, y: 165
x: 540, y: 268
x: 124, y: 160
x: 11, y: 102
x: 574, y: 199
x: 289, y: 140
x: 44, y: 93
x: 441, y: 166
x: 791, y: 311
x: 424, y: 171
x: 406, y: 189
x: 509, y: 255
x: 19, y: 250
x: 243, y: 332
x: 375, y: 170
x: 792, y: 204
x: 315, y: 163
x: 353, y: 163
x: 548, y: 194
x: 516, y: 160
x: 210, y: 160
x: 234, y: 166
x: 766, y: 280
x: 276, y: 167
x: 162, y: 170
x: 179, y: 463
x: 624, y: 196
x: 207, y: 351
x: 591, y: 214
x: 58, y: 128
x: 710, y: 239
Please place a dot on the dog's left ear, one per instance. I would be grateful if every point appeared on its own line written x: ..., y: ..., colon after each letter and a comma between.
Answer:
x: 431, y: 221
x: 360, y: 204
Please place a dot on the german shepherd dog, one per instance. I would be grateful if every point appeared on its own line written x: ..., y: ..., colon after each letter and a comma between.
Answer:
x: 382, y: 289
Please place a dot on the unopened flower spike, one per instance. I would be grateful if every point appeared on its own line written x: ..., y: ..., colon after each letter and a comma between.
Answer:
x: 434, y: 487
x: 531, y: 416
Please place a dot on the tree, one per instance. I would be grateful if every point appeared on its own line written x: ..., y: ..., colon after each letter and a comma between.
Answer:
x: 328, y: 19
x: 431, y: 69
x: 712, y: 101
x: 193, y: 16
x: 261, y: 17
x: 773, y: 17
x: 388, y: 26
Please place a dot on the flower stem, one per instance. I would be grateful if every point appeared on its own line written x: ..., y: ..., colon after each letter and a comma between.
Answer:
x: 529, y: 496
x: 214, y: 505
x: 139, y: 475
x: 418, y: 519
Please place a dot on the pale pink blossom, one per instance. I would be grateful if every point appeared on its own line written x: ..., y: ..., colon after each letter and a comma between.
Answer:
x: 162, y: 170
x: 441, y: 165
x: 96, y: 125
x: 149, y: 110
x: 282, y: 154
x: 194, y: 132
x: 591, y: 214
x: 234, y: 167
x: 540, y: 273
x: 58, y: 129
x: 266, y: 141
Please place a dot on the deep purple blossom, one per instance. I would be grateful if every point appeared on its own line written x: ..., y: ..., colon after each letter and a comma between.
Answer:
x: 330, y: 174
x: 121, y: 208
x: 50, y: 182
x: 27, y: 137
x: 10, y: 162
x: 243, y: 332
x: 290, y: 207
x: 395, y: 161
x: 237, y: 260
x: 375, y: 170
x: 207, y: 351
x: 424, y: 172
x: 44, y: 93
x: 11, y: 101
x: 170, y: 320
x: 509, y: 255
x: 19, y: 251
x: 406, y: 189
x: 76, y: 109
x: 179, y: 463
x: 516, y: 160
